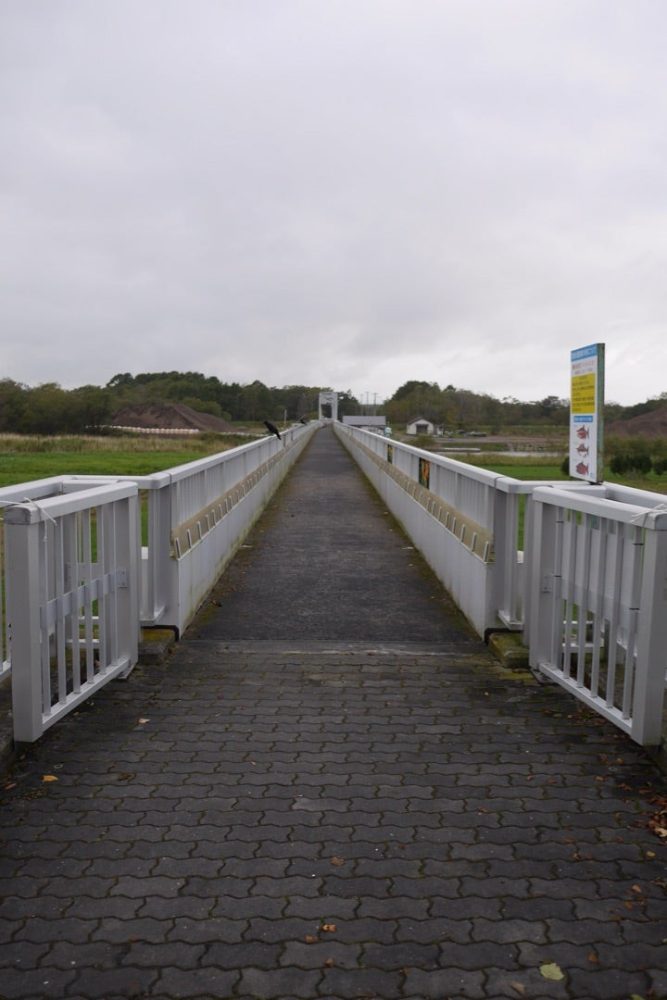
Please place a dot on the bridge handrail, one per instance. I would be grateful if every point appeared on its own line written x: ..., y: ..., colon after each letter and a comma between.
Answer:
x: 72, y: 598
x: 180, y: 495
x: 442, y: 501
x: 598, y: 611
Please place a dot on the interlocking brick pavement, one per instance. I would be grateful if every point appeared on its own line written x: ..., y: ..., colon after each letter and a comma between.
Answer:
x: 455, y: 862
x: 318, y: 818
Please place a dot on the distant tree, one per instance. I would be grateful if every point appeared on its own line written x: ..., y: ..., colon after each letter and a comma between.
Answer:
x: 203, y: 405
x: 13, y: 404
x: 49, y: 410
x: 88, y: 409
x: 411, y: 387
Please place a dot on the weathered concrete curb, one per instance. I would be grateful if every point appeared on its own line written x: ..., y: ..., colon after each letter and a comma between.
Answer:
x: 155, y: 645
x: 509, y: 650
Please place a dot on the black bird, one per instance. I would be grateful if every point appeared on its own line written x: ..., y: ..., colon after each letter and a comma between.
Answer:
x: 272, y: 428
x: 303, y: 420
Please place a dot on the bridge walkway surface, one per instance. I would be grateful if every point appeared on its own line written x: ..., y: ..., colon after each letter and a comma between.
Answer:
x: 331, y: 790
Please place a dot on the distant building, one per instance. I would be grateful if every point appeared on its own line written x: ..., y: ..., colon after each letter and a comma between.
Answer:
x: 372, y: 423
x: 422, y: 426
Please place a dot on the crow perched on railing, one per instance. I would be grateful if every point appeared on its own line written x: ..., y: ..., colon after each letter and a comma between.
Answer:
x: 272, y: 429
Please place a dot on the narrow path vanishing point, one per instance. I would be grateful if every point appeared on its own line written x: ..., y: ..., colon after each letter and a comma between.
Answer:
x: 331, y: 790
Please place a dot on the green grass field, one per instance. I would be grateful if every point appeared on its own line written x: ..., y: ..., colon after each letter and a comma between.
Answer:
x: 25, y: 459
x: 536, y: 468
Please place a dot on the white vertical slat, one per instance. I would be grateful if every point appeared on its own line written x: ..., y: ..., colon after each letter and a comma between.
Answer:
x: 72, y: 550
x: 88, y: 626
x: 598, y: 625
x: 614, y: 619
x: 569, y: 572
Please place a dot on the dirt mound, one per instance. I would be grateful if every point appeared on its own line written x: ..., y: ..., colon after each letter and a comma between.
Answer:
x: 649, y: 425
x: 168, y: 416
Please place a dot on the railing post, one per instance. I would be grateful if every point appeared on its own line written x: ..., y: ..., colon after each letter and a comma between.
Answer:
x: 156, y: 565
x: 22, y: 541
x: 542, y: 571
x: 528, y: 584
x: 651, y: 642
x: 506, y: 595
x: 127, y: 547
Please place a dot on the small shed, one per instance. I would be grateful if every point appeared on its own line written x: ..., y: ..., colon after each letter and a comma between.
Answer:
x: 419, y: 425
x: 372, y: 423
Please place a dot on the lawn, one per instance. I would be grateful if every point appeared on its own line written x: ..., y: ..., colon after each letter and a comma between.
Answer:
x: 24, y: 459
x: 536, y: 468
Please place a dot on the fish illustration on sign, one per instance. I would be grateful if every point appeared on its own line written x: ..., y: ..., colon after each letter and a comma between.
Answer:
x: 583, y: 433
x: 582, y: 469
x: 582, y: 449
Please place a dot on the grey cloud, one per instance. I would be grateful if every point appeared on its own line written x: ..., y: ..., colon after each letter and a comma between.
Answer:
x: 313, y: 192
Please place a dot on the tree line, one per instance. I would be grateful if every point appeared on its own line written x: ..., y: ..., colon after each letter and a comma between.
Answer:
x: 463, y: 409
x: 50, y: 409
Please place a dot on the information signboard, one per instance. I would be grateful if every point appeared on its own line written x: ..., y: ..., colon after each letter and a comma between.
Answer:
x: 586, y: 413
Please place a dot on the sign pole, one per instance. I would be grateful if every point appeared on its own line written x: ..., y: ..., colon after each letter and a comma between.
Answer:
x: 587, y: 413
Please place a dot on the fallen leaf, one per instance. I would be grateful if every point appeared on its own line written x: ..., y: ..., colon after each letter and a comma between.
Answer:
x: 311, y: 938
x: 593, y: 957
x: 648, y: 854
x: 519, y: 987
x: 552, y: 971
x: 12, y: 784
x: 142, y: 722
x: 49, y: 777
x: 329, y: 963
x: 329, y: 928
x: 636, y: 996
x: 337, y: 861
x: 637, y: 889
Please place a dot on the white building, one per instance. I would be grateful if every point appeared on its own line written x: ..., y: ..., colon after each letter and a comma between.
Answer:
x: 373, y: 423
x: 422, y: 426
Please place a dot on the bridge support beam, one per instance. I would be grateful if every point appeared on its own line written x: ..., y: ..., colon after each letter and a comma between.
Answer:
x: 329, y: 399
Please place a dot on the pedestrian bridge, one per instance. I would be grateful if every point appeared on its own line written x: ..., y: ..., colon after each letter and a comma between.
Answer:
x: 330, y: 789
x: 579, y: 570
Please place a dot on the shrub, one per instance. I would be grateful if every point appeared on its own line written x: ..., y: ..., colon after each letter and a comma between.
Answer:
x: 619, y: 464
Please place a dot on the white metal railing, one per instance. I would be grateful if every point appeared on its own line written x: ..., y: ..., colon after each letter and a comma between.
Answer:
x: 77, y: 581
x: 72, y: 599
x: 215, y: 499
x: 587, y: 583
x: 455, y: 514
x: 9, y: 496
x: 598, y: 619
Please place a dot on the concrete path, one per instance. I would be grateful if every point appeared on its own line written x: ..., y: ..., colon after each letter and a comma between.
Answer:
x: 305, y: 816
x: 328, y: 562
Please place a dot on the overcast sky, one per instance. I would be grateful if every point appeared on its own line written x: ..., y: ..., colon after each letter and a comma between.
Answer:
x: 335, y: 192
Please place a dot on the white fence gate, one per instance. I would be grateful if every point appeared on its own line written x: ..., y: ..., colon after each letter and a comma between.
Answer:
x: 588, y: 585
x: 599, y: 608
x: 72, y: 599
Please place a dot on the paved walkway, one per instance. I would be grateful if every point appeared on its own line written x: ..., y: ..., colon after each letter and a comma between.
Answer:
x: 305, y: 816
